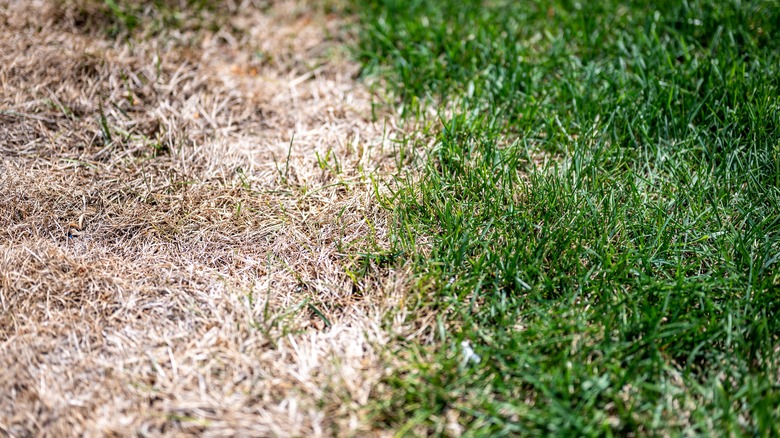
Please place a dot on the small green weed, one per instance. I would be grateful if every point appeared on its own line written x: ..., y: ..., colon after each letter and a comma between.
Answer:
x: 154, y: 16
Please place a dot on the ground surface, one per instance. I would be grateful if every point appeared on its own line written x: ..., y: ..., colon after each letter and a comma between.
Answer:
x: 546, y: 218
x: 181, y: 205
x: 603, y: 206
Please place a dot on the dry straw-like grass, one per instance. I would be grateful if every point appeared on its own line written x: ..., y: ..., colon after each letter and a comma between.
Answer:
x: 172, y: 260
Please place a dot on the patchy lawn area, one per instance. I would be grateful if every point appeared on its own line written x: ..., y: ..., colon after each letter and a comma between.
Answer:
x: 485, y: 217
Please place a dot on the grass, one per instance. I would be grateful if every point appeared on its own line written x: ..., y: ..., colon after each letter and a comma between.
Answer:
x: 147, y: 18
x: 601, y: 210
x: 591, y: 213
x: 172, y: 262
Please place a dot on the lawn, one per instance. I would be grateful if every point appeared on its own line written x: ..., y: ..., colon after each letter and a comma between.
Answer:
x: 184, y: 195
x: 385, y: 217
x: 596, y: 227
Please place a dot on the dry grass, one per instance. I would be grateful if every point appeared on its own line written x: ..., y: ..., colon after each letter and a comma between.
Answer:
x: 168, y: 263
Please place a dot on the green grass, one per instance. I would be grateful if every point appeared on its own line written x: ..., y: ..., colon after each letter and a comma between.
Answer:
x: 150, y: 17
x: 603, y: 208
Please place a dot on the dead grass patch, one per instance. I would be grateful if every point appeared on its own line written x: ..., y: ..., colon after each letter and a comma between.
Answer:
x: 179, y: 214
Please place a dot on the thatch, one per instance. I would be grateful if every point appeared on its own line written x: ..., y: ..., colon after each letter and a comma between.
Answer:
x: 172, y: 259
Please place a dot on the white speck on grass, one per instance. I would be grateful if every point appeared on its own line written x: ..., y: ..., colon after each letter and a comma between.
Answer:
x: 468, y: 355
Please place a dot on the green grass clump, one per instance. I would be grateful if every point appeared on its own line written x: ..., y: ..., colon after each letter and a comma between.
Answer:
x: 603, y: 205
x: 123, y: 17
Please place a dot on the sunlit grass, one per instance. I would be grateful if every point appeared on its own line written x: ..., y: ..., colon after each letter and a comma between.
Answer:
x: 604, y: 211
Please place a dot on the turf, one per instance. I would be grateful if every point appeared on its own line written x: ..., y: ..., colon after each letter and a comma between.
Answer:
x: 598, y: 218
x: 180, y: 212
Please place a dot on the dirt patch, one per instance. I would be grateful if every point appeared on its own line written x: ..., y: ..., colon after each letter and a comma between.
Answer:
x: 182, y: 214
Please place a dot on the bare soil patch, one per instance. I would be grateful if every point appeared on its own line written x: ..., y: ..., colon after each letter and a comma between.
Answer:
x: 181, y: 212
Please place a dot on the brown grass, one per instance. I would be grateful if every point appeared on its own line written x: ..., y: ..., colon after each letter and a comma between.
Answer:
x: 193, y: 273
